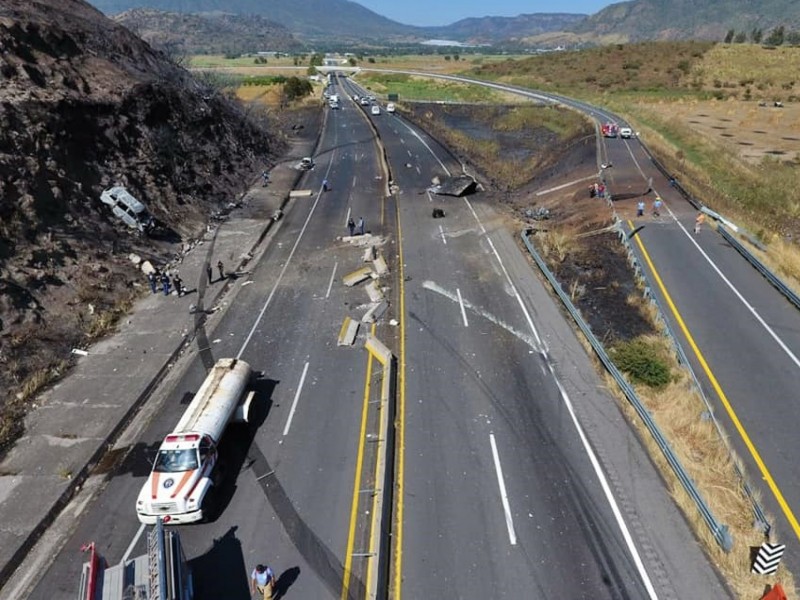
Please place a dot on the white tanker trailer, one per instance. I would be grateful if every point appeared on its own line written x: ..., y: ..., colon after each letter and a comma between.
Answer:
x: 184, y: 467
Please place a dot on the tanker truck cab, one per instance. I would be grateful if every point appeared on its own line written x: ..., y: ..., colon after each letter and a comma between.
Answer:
x: 186, y: 466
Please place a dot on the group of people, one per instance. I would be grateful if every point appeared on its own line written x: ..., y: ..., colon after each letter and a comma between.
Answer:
x: 160, y: 280
x: 210, y: 271
x: 351, y: 226
x: 658, y: 204
x: 597, y: 190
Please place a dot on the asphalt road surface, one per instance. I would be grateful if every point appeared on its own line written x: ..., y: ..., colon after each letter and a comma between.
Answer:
x: 517, y: 477
x: 287, y: 497
x: 742, y: 336
x: 498, y: 495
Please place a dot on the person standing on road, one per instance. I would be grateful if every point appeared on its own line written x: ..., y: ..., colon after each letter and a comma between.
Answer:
x: 151, y: 277
x: 165, y: 283
x: 209, y: 273
x: 178, y: 283
x: 698, y: 222
x: 324, y: 185
x: 640, y: 208
x: 657, y: 206
x: 262, y: 581
x: 361, y: 225
x: 351, y: 225
x: 221, y: 268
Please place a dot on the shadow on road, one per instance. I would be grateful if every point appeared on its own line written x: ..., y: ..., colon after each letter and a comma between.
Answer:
x: 221, y: 572
x: 235, y: 445
x: 284, y: 582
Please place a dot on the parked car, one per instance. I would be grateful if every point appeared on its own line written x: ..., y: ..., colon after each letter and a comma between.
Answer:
x: 364, y: 101
x: 375, y: 110
x: 390, y: 108
x: 306, y: 164
x: 625, y: 132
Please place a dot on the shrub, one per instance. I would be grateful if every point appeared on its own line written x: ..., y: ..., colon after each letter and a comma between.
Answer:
x: 642, y: 361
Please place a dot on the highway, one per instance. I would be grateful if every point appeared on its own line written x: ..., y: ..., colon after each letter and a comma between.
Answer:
x: 516, y: 476
x: 739, y: 332
x: 515, y: 500
x: 742, y: 336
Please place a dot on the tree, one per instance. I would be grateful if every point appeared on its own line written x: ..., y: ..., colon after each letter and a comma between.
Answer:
x: 352, y: 62
x: 447, y: 57
x: 456, y: 57
x: 793, y: 38
x: 740, y: 38
x: 756, y: 35
x: 729, y: 36
x: 371, y: 60
x: 297, y: 88
x: 776, y: 37
x: 316, y: 60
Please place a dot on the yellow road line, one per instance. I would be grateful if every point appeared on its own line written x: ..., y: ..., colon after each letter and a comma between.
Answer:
x: 351, y: 535
x: 723, y: 398
x: 400, y: 442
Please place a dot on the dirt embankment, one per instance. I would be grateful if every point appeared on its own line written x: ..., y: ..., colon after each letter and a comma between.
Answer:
x: 84, y: 105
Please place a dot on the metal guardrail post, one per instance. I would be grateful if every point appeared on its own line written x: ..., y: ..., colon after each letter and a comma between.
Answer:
x: 718, y: 530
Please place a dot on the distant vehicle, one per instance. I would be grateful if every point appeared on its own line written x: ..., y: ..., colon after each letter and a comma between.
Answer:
x: 132, y: 212
x: 355, y: 97
x: 390, y: 108
x: 306, y: 164
x: 609, y: 130
x: 371, y: 98
x: 364, y: 101
x: 626, y: 132
x: 333, y: 103
x: 334, y: 98
x: 375, y: 110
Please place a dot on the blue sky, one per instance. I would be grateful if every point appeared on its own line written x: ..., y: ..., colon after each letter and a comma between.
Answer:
x: 444, y: 12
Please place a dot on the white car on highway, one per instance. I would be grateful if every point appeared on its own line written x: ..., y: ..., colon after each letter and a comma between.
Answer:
x: 375, y: 110
x: 390, y: 108
x: 625, y: 132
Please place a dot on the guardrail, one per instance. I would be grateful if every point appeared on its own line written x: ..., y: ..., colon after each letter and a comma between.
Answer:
x: 377, y: 570
x: 761, y: 267
x: 718, y: 530
x: 761, y: 520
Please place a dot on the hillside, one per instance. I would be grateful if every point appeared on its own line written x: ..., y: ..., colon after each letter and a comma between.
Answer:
x: 308, y: 19
x: 689, y: 19
x: 213, y: 33
x: 85, y: 104
x: 494, y: 29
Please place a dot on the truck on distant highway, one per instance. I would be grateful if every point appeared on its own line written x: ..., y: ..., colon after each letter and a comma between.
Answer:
x: 186, y: 466
x: 609, y: 130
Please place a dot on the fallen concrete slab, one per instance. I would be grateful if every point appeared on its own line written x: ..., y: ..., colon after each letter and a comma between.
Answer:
x: 348, y: 332
x: 375, y: 312
x: 357, y: 276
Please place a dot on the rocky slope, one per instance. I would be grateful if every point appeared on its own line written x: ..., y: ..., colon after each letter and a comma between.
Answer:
x: 186, y: 34
x: 85, y: 104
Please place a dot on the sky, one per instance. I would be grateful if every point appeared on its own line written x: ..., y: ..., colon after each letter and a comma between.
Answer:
x: 444, y: 12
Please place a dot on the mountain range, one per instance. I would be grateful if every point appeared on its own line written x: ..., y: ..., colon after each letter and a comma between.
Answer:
x: 345, y: 21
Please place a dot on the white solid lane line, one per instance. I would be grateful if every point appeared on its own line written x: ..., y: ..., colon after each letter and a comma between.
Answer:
x: 330, y: 283
x: 463, y: 310
x: 441, y: 231
x: 424, y: 143
x: 296, y: 398
x: 132, y: 544
x: 287, y: 263
x: 347, y: 217
x: 792, y: 356
x: 612, y: 502
x: 512, y: 535
x: 508, y: 277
